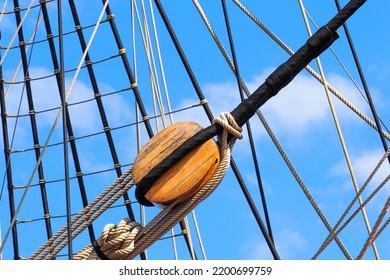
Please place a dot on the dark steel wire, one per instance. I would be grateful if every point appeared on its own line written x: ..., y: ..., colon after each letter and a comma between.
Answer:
x: 364, y: 83
x: 64, y: 130
x: 8, y: 171
x: 210, y: 116
x: 278, y: 79
x: 35, y: 134
x: 250, y: 136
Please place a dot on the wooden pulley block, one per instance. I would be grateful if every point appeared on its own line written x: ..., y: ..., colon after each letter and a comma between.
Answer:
x: 185, y: 178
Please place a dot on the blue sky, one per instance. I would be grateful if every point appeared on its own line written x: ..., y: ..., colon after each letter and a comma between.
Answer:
x: 299, y: 116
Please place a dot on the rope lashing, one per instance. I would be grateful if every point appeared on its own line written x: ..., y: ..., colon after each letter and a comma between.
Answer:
x: 115, y: 242
x: 229, y: 124
x: 173, y: 214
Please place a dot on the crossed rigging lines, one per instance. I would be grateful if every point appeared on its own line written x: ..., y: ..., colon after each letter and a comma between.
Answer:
x: 263, y: 120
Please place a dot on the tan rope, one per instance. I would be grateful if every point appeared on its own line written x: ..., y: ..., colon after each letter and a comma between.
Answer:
x: 114, y: 243
x: 53, y: 126
x: 339, y: 131
x: 273, y: 137
x: 85, y: 217
x: 132, y: 240
x: 173, y: 214
x: 202, y: 249
x: 372, y: 236
x: 2, y: 13
x: 160, y: 62
x: 309, y: 69
x: 337, y: 229
x: 16, y: 32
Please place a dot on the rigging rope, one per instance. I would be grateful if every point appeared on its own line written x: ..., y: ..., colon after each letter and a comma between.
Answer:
x: 85, y: 217
x: 114, y: 242
x: 373, y: 234
x: 155, y: 229
x: 32, y: 38
x: 3, y: 10
x: 53, y: 126
x: 16, y: 31
x: 160, y: 61
x: 337, y: 228
x: 309, y: 69
x: 338, y: 128
x: 273, y: 137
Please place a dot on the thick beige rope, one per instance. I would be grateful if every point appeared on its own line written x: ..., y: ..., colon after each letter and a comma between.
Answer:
x: 272, y: 135
x: 339, y: 131
x: 116, y: 242
x: 175, y: 213
x: 309, y: 69
x: 135, y: 241
x: 85, y: 217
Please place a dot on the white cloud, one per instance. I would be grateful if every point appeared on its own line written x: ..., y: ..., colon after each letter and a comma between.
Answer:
x: 298, y: 108
x: 363, y: 164
x: 85, y: 116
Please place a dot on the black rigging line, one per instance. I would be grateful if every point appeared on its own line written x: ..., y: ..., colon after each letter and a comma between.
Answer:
x: 364, y: 83
x: 54, y: 36
x: 278, y: 79
x: 64, y: 129
x: 27, y: 85
x: 8, y: 171
x: 72, y: 138
x: 250, y: 136
x: 210, y: 116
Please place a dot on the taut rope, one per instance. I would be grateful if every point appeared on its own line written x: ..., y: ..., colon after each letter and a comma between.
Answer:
x: 127, y: 240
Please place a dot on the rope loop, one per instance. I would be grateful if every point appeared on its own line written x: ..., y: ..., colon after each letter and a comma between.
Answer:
x: 228, y: 123
x: 115, y: 242
x: 230, y: 126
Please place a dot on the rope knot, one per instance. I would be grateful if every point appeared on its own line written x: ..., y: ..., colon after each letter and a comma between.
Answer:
x: 115, y: 242
x: 228, y: 123
x: 230, y: 126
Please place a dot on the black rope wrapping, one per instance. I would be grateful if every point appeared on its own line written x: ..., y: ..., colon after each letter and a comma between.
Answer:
x: 281, y: 77
x: 99, y: 252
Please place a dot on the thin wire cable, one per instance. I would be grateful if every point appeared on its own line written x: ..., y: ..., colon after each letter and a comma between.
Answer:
x: 144, y: 31
x: 161, y: 62
x: 337, y: 228
x: 275, y: 140
x: 342, y: 65
x: 1, y: 16
x: 308, y: 68
x: 16, y: 31
x: 52, y: 130
x: 32, y: 39
x: 249, y: 130
x: 338, y: 128
x: 199, y: 235
x: 64, y: 128
x: 364, y: 83
x: 154, y: 67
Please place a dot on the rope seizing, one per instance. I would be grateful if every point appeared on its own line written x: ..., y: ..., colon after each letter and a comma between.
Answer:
x: 129, y: 244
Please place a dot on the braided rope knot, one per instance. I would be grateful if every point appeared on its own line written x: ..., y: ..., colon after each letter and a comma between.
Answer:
x: 115, y: 242
x: 230, y: 126
x: 228, y: 123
